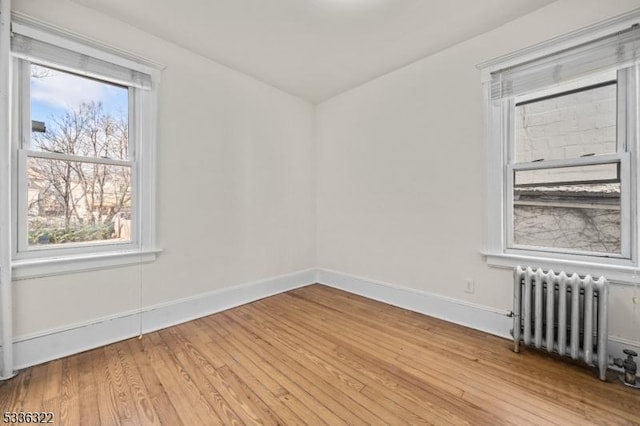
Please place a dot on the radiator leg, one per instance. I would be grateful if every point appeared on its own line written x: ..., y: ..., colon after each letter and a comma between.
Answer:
x: 602, y: 368
x: 516, y: 335
x: 517, y: 305
x: 603, y: 328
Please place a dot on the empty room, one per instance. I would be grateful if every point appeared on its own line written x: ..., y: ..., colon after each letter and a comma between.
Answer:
x: 316, y: 212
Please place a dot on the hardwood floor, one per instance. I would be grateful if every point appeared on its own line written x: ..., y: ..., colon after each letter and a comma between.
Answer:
x: 318, y: 356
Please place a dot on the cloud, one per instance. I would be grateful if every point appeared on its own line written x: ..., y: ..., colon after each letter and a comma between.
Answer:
x: 61, y: 90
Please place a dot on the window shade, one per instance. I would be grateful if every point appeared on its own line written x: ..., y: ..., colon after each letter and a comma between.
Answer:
x: 615, y: 51
x: 48, y: 54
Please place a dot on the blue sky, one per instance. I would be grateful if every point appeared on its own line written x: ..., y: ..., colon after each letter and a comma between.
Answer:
x: 58, y: 91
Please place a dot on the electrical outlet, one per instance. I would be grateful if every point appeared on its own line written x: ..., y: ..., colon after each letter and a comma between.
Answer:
x: 635, y: 300
x: 470, y: 286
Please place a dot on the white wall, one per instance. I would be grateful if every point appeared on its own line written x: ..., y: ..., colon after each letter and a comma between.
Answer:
x: 400, y: 163
x: 235, y: 195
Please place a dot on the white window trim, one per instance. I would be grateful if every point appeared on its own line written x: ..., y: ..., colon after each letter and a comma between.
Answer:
x: 143, y: 248
x: 495, y: 250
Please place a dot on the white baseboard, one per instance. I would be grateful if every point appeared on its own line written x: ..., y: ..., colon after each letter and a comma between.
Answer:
x: 57, y: 343
x: 52, y: 344
x: 479, y: 317
x: 618, y: 344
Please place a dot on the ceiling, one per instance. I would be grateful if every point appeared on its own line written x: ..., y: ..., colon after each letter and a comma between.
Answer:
x: 315, y: 49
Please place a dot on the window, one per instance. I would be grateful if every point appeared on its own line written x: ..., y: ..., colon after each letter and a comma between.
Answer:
x: 569, y: 169
x: 75, y: 168
x: 562, y: 163
x: 83, y: 153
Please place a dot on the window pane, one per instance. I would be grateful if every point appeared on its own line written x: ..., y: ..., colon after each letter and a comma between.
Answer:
x: 77, y: 115
x: 581, y: 216
x: 564, y: 175
x: 74, y: 202
x: 576, y: 121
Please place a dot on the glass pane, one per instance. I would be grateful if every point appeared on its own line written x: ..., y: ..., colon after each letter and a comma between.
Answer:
x: 565, y: 175
x: 75, y: 202
x: 577, y: 120
x: 77, y: 115
x: 581, y: 216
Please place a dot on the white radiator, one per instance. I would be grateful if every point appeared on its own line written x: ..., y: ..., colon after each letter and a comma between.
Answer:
x: 562, y: 314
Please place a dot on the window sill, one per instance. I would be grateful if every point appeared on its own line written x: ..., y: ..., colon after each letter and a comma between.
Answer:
x: 35, y: 268
x: 618, y: 274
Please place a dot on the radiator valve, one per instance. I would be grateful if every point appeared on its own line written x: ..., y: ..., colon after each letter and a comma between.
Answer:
x: 630, y: 368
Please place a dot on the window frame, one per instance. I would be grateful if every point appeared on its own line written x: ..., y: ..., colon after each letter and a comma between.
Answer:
x: 621, y: 156
x: 58, y: 259
x: 500, y: 166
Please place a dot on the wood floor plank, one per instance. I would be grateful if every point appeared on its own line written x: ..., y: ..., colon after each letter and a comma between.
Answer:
x: 88, y: 403
x: 210, y: 382
x: 17, y: 400
x: 296, y: 381
x: 7, y: 389
x: 35, y: 390
x: 278, y: 336
x: 52, y: 406
x: 350, y: 386
x: 135, y: 383
x: 387, y: 349
x: 339, y: 371
x: 242, y: 380
x: 107, y: 407
x: 52, y: 384
x: 386, y: 398
x: 250, y: 363
x: 69, y: 393
x: 162, y: 405
x: 125, y: 403
x: 192, y: 405
x: 263, y: 414
x: 317, y: 355
x: 513, y: 377
x: 389, y: 406
x: 386, y: 372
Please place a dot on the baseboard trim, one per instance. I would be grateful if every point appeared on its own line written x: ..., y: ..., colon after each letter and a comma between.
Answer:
x: 57, y: 343
x: 618, y: 344
x: 479, y: 317
x: 52, y: 344
x: 472, y: 315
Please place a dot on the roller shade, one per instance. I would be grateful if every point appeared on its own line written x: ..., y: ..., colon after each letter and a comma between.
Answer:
x: 39, y: 51
x: 615, y: 51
